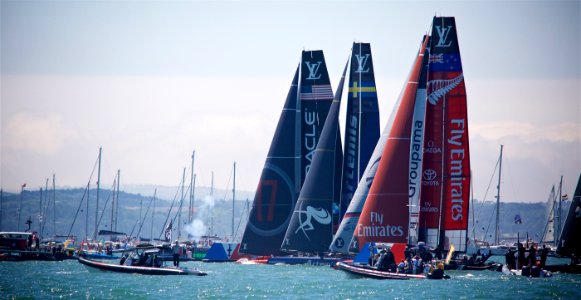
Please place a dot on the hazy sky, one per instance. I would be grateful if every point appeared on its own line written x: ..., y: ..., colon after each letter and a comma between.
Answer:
x: 152, y: 81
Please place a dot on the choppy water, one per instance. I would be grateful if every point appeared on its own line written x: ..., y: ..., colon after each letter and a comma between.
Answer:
x: 71, y: 280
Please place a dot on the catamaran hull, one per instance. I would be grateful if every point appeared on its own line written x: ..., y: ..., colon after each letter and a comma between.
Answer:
x: 96, y: 265
x: 571, y: 269
x: 302, y: 260
x: 365, y: 271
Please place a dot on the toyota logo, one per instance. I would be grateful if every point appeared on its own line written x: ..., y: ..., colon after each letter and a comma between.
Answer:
x: 429, y: 174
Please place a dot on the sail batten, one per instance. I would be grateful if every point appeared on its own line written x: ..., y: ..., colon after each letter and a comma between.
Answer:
x: 310, y: 229
x: 289, y: 157
x: 446, y: 167
x: 385, y: 214
x: 361, y: 138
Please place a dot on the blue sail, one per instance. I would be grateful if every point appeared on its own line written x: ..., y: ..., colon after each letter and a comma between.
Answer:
x: 311, y: 225
x: 361, y: 122
x: 290, y: 156
x: 277, y: 190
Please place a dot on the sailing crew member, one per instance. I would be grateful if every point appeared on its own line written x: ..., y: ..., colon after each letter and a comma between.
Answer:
x: 544, y: 254
x: 532, y: 255
x: 176, y: 253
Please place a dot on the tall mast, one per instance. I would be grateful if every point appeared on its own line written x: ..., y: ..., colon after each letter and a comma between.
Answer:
x: 233, y: 198
x: 140, y: 209
x: 97, y: 203
x: 496, y: 239
x: 113, y: 207
x: 558, y: 215
x: 153, y: 213
x: 20, y: 205
x: 54, y: 203
x: 87, y: 210
x: 212, y: 212
x: 47, y: 202
x: 181, y: 204
x: 191, y: 207
x: 40, y: 211
x: 1, y: 198
x: 117, y: 203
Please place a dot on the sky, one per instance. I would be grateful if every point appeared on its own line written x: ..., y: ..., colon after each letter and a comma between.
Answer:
x: 152, y: 81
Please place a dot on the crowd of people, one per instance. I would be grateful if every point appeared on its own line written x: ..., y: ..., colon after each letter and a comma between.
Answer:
x: 526, y: 256
x: 418, y: 260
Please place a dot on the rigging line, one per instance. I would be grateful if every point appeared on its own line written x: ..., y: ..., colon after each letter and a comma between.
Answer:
x: 111, y: 191
x: 489, y: 222
x: 508, y: 166
x: 227, y: 185
x: 170, y: 209
x: 472, y: 203
x: 77, y: 213
x: 181, y: 206
x: 246, y: 210
x: 144, y: 217
x: 487, y: 189
x: 86, y: 190
x: 485, y: 194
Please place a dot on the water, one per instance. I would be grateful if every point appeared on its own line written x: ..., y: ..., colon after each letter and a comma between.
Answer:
x: 71, y: 280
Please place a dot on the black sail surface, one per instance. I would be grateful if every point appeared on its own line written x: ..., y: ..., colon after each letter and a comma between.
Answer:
x: 361, y: 122
x: 277, y: 190
x: 310, y: 229
x: 570, y: 241
x: 315, y: 97
x: 290, y: 155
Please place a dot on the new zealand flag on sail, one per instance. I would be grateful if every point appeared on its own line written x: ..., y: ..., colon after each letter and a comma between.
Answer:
x: 445, y: 62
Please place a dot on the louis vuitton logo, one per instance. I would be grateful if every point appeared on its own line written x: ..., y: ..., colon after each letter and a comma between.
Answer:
x: 362, y: 61
x: 313, y: 69
x: 443, y: 36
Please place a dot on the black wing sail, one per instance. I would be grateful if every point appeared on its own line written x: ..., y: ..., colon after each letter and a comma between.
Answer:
x: 277, y: 191
x: 310, y: 229
x: 570, y: 241
x: 361, y: 122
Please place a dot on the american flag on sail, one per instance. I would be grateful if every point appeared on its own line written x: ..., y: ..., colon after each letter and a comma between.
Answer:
x: 316, y: 92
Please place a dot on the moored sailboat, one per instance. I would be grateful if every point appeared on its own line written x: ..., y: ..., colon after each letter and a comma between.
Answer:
x: 569, y: 245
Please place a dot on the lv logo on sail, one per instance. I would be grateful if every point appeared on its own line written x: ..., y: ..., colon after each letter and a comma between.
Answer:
x: 362, y: 61
x: 313, y: 69
x: 443, y: 36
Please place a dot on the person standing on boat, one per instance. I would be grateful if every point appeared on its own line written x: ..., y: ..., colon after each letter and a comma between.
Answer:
x: 176, y: 253
x: 532, y: 255
x: 544, y: 254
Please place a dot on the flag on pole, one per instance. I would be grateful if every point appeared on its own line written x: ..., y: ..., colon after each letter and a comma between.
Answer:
x: 167, y: 232
x: 450, y: 252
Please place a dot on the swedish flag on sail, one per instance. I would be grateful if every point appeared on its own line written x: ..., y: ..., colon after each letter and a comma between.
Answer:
x: 363, y: 89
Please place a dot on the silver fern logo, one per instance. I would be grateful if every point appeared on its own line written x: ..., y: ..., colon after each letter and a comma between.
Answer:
x: 439, y: 87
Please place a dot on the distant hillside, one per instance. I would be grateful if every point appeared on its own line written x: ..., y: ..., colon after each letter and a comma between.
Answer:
x: 71, y: 205
x: 70, y: 215
x: 170, y: 192
x: 533, y: 216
